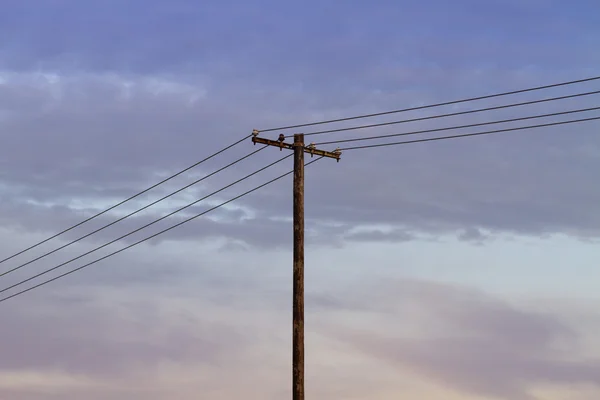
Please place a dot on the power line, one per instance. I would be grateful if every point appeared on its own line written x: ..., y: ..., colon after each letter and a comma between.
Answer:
x: 451, y: 114
x: 154, y: 235
x: 145, y: 226
x: 125, y: 201
x: 470, y: 134
x: 432, y: 105
x: 133, y: 213
x: 458, y: 126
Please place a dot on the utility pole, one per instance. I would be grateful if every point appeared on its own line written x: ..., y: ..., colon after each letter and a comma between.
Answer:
x: 298, y: 286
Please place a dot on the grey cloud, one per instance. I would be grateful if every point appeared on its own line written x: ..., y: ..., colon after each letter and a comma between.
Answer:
x: 473, y: 234
x: 535, y: 183
x: 89, y: 339
x: 118, y: 323
x: 261, y: 232
x: 470, y: 342
x: 379, y: 236
x: 164, y: 269
x: 84, y: 137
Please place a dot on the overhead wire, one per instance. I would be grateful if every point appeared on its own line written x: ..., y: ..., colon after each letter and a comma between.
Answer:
x: 147, y: 225
x: 152, y: 236
x: 447, y: 103
x: 124, y: 201
x: 133, y: 213
x: 457, y: 126
x: 451, y: 114
x: 470, y: 134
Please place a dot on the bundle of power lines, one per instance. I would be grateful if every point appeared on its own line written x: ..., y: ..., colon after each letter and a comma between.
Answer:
x: 363, y: 142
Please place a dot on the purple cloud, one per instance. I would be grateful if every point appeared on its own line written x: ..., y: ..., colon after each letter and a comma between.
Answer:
x: 471, y: 342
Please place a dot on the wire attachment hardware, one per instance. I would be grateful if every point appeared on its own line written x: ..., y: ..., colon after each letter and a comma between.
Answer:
x: 311, y: 149
x: 337, y: 152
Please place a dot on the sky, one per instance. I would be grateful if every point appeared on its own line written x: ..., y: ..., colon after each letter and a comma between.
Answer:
x: 461, y: 269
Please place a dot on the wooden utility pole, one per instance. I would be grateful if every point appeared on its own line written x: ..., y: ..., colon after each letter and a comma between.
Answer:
x: 298, y: 286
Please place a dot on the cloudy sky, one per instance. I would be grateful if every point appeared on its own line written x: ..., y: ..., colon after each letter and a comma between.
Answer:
x: 463, y: 269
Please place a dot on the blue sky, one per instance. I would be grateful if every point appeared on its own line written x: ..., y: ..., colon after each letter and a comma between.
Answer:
x: 463, y: 269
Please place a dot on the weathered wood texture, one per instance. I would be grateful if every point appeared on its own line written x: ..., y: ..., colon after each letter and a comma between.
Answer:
x: 298, y: 286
